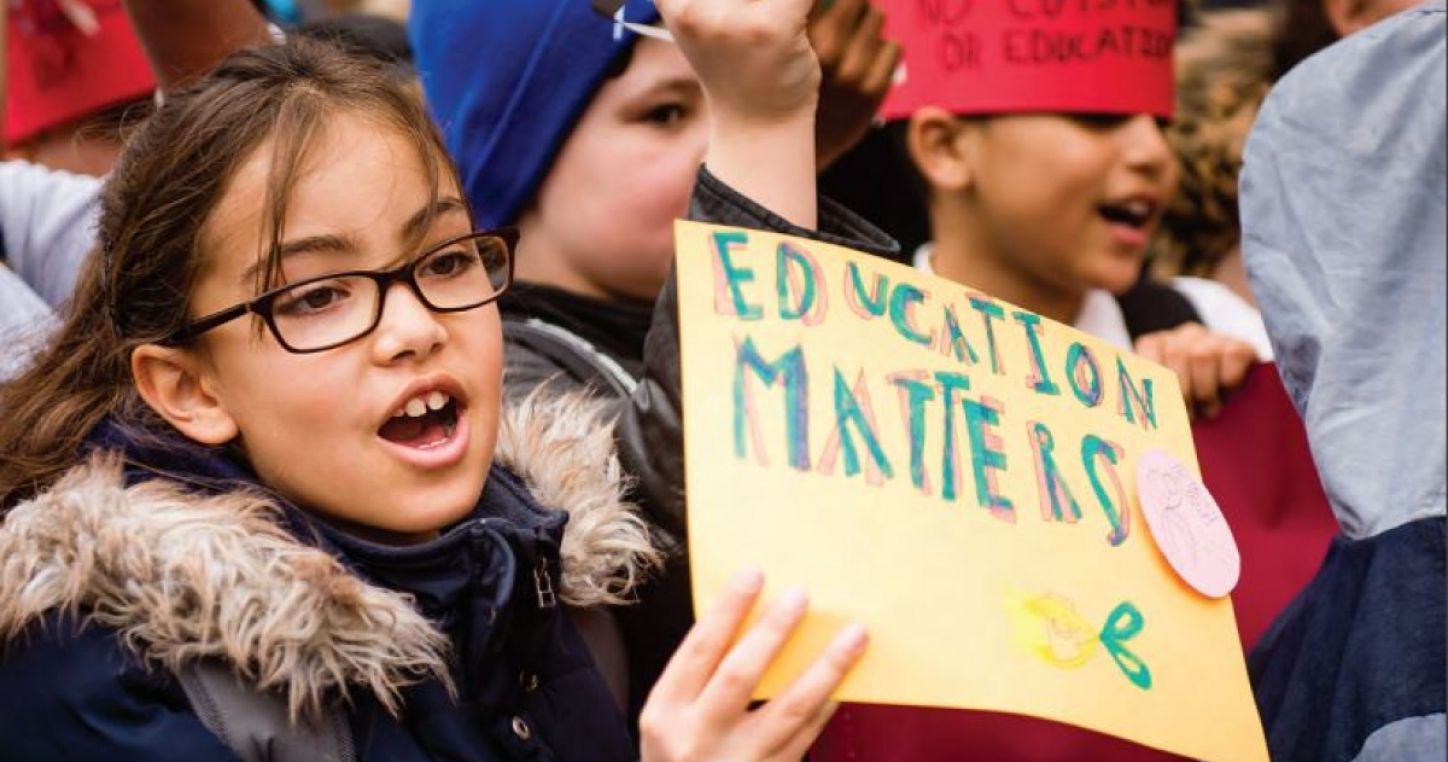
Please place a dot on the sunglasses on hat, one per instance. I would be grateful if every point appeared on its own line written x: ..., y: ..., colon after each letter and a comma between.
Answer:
x: 614, y: 9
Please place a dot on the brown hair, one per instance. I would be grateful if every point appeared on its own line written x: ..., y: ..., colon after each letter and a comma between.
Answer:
x: 135, y: 288
x: 1224, y: 70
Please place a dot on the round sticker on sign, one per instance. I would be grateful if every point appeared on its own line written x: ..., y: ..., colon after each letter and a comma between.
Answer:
x: 1187, y: 525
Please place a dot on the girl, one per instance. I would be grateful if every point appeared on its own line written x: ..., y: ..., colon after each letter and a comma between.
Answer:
x: 262, y: 498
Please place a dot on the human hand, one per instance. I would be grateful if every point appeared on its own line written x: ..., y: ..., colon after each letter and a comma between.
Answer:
x: 699, y: 709
x: 857, y: 66
x: 753, y: 57
x: 1208, y: 365
x: 761, y: 80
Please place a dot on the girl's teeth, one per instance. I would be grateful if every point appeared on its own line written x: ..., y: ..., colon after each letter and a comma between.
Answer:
x: 418, y: 406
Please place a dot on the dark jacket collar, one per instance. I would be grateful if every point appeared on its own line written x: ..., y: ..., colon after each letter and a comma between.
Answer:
x: 477, y: 580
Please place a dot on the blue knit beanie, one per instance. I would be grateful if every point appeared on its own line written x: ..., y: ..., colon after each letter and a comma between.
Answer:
x: 507, y: 80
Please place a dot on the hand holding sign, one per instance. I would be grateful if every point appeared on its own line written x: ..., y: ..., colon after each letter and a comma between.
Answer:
x: 699, y: 709
x: 953, y: 472
x: 1208, y: 365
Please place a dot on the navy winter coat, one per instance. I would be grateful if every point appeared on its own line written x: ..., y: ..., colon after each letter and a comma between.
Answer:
x: 208, y: 570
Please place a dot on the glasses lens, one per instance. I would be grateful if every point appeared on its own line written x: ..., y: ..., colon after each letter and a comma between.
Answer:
x: 321, y: 313
x: 465, y: 273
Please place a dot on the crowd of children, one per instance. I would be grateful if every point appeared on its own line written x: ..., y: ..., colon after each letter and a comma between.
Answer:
x: 463, y: 213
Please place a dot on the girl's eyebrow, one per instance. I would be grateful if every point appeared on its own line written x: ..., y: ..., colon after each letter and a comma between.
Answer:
x: 346, y: 244
x: 415, y: 226
x: 311, y: 244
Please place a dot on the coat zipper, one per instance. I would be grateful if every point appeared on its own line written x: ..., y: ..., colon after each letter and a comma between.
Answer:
x: 543, y: 585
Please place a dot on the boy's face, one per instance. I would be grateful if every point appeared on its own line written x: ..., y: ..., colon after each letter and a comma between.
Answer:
x: 320, y: 428
x: 1068, y: 202
x: 603, y: 221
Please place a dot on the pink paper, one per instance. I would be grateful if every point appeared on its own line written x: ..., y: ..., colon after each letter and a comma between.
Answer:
x: 1187, y: 525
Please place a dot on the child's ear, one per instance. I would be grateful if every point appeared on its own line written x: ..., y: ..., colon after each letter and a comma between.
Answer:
x: 932, y: 139
x: 173, y: 382
x: 1348, y: 16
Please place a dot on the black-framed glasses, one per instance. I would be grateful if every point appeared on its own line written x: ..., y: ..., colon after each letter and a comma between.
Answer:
x: 327, y: 311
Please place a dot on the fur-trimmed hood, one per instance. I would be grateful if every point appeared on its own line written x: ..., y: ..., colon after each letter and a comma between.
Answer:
x: 183, y: 576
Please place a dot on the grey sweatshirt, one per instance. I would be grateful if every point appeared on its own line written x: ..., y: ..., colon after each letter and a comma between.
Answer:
x: 48, y: 222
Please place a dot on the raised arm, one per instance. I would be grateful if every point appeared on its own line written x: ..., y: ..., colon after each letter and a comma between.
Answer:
x: 762, y: 81
x: 754, y: 177
x: 184, y: 39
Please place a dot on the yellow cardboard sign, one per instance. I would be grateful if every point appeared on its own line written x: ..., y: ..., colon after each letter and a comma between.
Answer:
x: 956, y: 473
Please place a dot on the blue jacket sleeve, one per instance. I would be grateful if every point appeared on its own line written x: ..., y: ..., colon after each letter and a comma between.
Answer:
x: 48, y: 222
x: 75, y: 693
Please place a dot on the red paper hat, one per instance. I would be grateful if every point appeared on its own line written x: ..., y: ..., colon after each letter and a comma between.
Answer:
x: 1019, y: 56
x: 57, y: 74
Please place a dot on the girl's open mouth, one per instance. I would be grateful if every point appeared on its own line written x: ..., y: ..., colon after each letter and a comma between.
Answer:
x: 425, y: 422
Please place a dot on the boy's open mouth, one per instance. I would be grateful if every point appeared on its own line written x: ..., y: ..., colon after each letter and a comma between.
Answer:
x: 1134, y: 214
x: 427, y: 420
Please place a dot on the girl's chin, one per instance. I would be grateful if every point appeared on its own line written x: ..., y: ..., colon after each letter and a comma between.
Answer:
x: 436, y: 513
x: 420, y: 530
x: 412, y: 516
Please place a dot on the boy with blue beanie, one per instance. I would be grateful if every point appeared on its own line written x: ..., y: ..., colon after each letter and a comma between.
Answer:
x: 571, y: 120
x: 508, y: 81
x: 564, y: 124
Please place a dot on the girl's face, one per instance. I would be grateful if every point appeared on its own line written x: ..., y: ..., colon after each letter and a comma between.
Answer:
x: 316, y: 426
x: 1069, y: 203
x: 603, y: 223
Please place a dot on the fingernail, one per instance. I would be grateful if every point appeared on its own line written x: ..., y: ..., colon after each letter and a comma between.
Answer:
x: 792, y: 601
x: 852, y: 639
x: 750, y: 580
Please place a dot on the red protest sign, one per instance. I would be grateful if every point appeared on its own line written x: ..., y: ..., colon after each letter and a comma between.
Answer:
x: 59, y: 72
x: 1021, y: 56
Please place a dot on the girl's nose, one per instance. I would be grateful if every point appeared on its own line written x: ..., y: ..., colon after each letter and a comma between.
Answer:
x: 407, y: 328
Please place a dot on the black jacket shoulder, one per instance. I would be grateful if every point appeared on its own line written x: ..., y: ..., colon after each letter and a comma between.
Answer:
x: 73, y: 691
